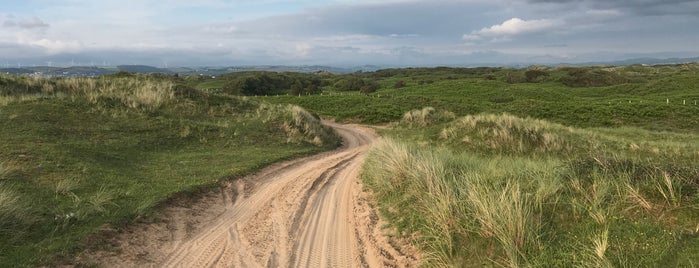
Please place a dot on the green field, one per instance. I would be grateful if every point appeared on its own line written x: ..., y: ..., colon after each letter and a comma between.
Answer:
x: 82, y: 155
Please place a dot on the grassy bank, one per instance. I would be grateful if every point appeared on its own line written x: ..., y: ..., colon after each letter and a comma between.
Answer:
x: 85, y: 154
x: 499, y: 189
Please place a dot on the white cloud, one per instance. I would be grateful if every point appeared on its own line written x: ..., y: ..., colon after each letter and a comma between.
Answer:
x: 518, y: 26
x: 511, y: 27
x: 51, y: 46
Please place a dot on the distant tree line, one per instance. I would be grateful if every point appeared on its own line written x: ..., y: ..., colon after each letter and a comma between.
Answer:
x: 271, y: 83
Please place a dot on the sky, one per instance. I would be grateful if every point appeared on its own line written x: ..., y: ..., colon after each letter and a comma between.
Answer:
x: 343, y: 32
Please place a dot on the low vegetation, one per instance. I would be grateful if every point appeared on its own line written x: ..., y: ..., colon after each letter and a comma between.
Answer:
x: 81, y: 155
x: 498, y: 189
x: 542, y: 166
x: 663, y: 98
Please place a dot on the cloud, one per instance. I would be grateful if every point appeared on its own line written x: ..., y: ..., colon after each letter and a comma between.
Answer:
x: 637, y: 7
x: 24, y: 23
x: 49, y: 46
x: 343, y: 32
x: 511, y: 27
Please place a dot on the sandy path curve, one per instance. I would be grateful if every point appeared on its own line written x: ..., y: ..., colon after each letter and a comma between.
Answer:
x: 309, y: 212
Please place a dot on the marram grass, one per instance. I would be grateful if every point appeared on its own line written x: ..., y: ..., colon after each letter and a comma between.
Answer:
x: 590, y: 201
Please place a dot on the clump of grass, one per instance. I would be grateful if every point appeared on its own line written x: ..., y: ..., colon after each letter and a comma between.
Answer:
x: 394, y: 168
x: 506, y: 134
x: 5, y: 170
x: 594, y: 197
x: 67, y: 186
x: 596, y: 256
x: 671, y: 194
x: 15, y: 214
x: 506, y: 214
x: 102, y: 198
x: 426, y: 116
x: 636, y: 198
x: 451, y: 198
x: 298, y: 124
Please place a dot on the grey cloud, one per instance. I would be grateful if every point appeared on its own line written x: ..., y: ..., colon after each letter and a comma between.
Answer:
x: 638, y: 7
x: 27, y: 23
x: 425, y: 19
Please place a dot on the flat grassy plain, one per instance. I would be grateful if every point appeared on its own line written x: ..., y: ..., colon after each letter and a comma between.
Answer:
x: 82, y: 155
x: 549, y: 167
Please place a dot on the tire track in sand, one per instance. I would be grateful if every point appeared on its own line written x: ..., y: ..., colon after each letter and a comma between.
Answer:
x: 309, y: 212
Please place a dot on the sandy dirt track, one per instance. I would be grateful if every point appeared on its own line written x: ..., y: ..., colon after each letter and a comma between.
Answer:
x: 309, y: 212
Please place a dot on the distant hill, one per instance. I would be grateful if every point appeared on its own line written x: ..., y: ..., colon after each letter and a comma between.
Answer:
x: 75, y: 71
x: 16, y: 71
x: 142, y: 69
x: 80, y: 71
x: 634, y: 61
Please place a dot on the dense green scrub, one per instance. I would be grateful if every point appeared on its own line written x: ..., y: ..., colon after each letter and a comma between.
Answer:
x: 651, y: 97
x: 81, y: 155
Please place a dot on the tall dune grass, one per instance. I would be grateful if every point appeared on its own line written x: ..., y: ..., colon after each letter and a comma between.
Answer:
x: 138, y: 92
x: 298, y: 124
x: 16, y: 214
x: 449, y: 197
x: 426, y: 116
x: 506, y: 133
x: 512, y: 197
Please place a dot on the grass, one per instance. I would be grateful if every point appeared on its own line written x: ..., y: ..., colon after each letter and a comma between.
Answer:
x: 82, y: 155
x: 507, y: 197
x: 584, y: 166
x: 639, y: 101
x: 565, y: 166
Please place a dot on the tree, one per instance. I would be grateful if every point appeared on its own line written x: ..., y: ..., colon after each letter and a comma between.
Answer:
x: 313, y: 89
x: 296, y: 88
x: 534, y: 75
x: 369, y: 87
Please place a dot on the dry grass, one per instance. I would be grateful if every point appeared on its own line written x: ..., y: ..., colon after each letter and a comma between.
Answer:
x: 596, y: 255
x: 15, y: 214
x: 139, y: 92
x: 426, y: 116
x: 670, y: 194
x: 506, y: 214
x: 298, y: 124
x: 506, y: 133
x: 637, y: 199
x: 476, y: 199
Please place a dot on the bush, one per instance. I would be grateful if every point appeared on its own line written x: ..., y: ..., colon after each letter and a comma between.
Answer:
x: 533, y: 76
x: 586, y: 77
x: 426, y: 116
x: 399, y: 84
